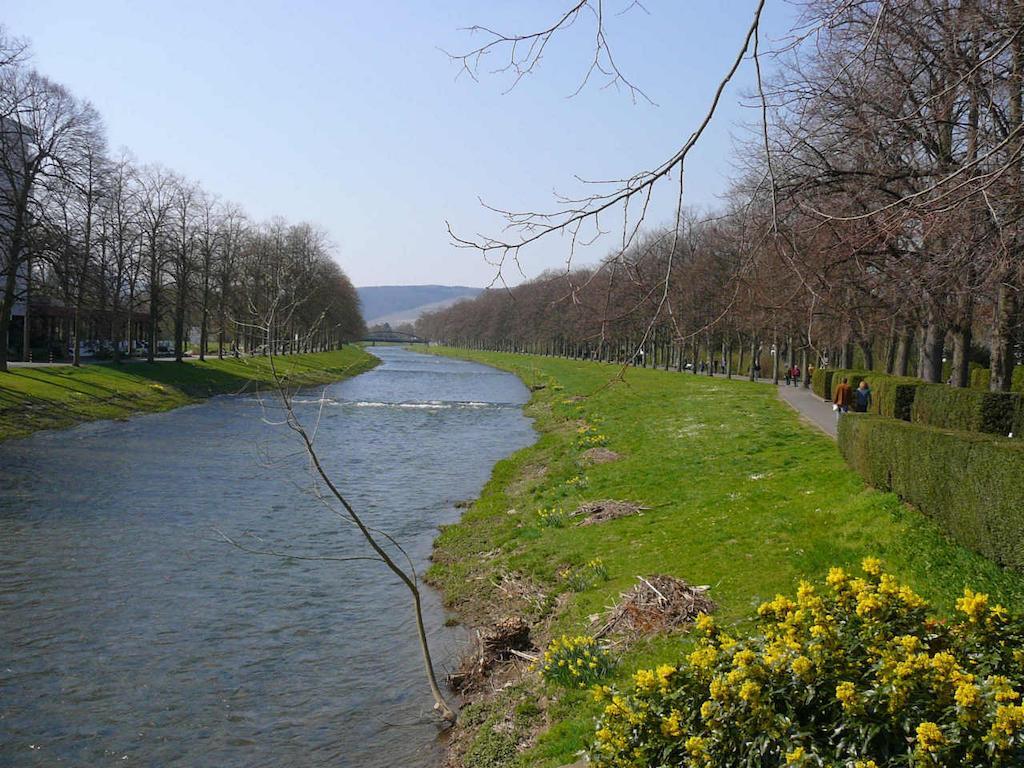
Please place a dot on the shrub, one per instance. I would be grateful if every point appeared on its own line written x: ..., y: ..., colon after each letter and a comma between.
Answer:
x: 853, y: 674
x: 966, y: 409
x: 980, y: 378
x: 969, y: 483
x: 575, y: 662
x: 891, y: 396
x: 821, y: 382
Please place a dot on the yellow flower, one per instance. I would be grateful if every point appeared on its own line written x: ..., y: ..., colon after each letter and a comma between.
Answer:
x: 1002, y: 689
x: 973, y: 604
x: 836, y: 578
x: 929, y: 737
x: 967, y: 695
x: 703, y: 658
x: 871, y: 566
x: 705, y: 624
x: 1008, y: 722
x: 868, y: 603
x: 846, y: 694
x: 744, y: 658
x: 696, y: 746
x: 664, y: 672
x: 750, y: 691
x: 717, y: 689
x: 645, y: 680
x: 796, y: 757
x: 802, y: 667
x: 672, y: 725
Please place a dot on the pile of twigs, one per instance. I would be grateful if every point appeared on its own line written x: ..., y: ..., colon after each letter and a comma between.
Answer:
x: 594, y: 512
x: 655, y: 604
x: 495, y: 645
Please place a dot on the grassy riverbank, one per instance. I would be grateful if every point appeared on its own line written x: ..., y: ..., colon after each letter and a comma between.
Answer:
x: 61, y: 396
x: 740, y: 495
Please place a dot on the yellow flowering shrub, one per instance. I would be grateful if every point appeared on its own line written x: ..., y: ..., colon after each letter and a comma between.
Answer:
x: 576, y: 662
x: 850, y: 674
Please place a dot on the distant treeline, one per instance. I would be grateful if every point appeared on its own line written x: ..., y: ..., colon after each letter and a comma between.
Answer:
x: 879, y: 216
x: 97, y: 248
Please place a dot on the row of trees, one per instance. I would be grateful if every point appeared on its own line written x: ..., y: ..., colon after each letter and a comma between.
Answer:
x: 879, y: 215
x: 110, y: 247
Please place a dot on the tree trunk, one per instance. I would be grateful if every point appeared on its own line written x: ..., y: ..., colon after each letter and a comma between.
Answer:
x: 26, y: 330
x: 1001, y: 366
x: 931, y: 353
x: 869, y: 354
x: 902, y: 362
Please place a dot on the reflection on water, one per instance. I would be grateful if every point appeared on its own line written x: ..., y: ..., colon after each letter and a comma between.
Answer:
x: 131, y: 635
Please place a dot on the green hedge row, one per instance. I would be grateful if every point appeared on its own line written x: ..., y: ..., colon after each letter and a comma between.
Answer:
x: 821, y: 382
x: 982, y: 377
x: 891, y: 396
x: 970, y: 410
x: 969, y: 483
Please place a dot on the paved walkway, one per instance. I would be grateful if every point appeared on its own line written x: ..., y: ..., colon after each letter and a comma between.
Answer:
x: 814, y: 410
x: 19, y: 364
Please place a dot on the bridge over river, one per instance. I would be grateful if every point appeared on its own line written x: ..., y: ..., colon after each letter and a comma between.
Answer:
x: 393, y: 337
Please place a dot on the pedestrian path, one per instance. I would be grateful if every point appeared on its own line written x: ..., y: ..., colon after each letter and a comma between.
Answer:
x: 815, y: 410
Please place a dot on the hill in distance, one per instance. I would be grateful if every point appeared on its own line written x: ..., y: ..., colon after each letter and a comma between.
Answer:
x: 397, y: 304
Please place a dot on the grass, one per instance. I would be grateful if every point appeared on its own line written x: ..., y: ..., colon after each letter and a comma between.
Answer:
x: 60, y: 396
x: 744, y: 497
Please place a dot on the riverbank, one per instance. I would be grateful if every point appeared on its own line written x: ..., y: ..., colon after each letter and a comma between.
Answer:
x: 738, y: 494
x: 56, y: 397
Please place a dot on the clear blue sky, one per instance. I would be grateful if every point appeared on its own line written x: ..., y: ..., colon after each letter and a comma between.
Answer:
x: 348, y: 114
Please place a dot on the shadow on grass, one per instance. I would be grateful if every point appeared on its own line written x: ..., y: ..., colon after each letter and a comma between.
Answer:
x: 195, y: 379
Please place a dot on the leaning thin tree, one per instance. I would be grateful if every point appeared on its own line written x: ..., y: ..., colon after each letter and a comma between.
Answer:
x: 279, y: 315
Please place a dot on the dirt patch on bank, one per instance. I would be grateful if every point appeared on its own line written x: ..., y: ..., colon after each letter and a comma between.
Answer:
x: 599, y: 456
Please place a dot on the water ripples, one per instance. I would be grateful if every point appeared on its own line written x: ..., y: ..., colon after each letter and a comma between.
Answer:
x: 132, y: 634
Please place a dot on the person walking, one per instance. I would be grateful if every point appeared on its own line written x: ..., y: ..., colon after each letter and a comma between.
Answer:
x: 862, y: 397
x: 842, y: 399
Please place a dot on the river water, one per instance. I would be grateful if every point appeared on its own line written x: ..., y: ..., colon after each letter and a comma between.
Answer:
x: 131, y: 634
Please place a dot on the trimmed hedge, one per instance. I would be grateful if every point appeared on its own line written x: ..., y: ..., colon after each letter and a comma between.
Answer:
x: 982, y: 377
x: 821, y: 382
x: 969, y: 410
x: 891, y: 396
x: 969, y: 483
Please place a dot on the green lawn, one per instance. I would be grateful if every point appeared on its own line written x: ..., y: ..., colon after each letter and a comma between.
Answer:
x: 60, y: 396
x: 744, y: 497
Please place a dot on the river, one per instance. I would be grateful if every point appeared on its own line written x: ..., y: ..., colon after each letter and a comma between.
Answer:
x: 131, y: 634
